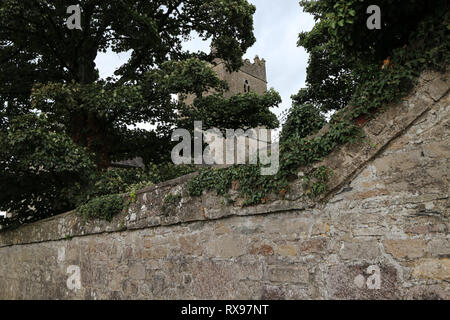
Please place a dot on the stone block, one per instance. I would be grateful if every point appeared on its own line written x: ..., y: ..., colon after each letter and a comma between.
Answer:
x: 262, y: 250
x: 137, y: 272
x: 315, y: 245
x: 439, y: 247
x: 227, y: 246
x: 286, y: 250
x: 360, y: 250
x: 437, y: 88
x: 351, y: 281
x: 432, y: 292
x: 405, y: 249
x: 435, y: 269
x: 288, y: 274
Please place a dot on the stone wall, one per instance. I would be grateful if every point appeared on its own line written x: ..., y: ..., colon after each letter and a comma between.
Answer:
x: 380, y: 233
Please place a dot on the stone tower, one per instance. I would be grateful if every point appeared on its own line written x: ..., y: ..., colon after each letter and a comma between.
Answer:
x: 250, y: 78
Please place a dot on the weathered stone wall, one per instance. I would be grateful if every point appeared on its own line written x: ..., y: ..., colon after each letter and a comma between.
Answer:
x: 387, y: 213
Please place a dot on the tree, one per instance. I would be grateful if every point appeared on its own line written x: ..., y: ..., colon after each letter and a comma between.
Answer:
x: 302, y: 120
x: 239, y: 111
x: 40, y: 168
x: 92, y: 111
x: 343, y: 50
x: 54, y: 106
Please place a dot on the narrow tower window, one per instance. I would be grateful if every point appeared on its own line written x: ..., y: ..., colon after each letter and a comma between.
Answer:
x: 246, y: 86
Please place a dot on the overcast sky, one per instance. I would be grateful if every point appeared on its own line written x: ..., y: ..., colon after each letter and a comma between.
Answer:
x: 277, y: 25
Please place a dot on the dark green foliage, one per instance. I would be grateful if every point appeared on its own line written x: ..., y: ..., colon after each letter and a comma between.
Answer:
x: 112, y: 181
x: 342, y: 23
x: 316, y: 183
x: 302, y: 121
x: 253, y: 186
x: 84, y: 185
x: 427, y: 47
x: 47, y: 69
x: 172, y: 199
x: 341, y: 47
x: 40, y: 169
x: 120, y: 181
x: 248, y: 110
x: 103, y: 208
x: 57, y: 65
x: 158, y: 173
x: 329, y: 77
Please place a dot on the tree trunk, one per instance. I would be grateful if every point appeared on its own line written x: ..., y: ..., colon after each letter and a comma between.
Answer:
x: 98, y: 141
x: 88, y: 129
x: 92, y: 133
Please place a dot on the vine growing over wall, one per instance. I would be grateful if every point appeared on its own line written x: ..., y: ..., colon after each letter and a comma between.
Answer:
x: 381, y: 84
x: 104, y: 207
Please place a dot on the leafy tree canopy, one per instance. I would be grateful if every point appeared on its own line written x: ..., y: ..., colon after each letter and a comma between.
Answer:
x: 341, y: 47
x: 302, y: 120
x: 368, y: 69
x: 57, y: 115
x: 40, y: 168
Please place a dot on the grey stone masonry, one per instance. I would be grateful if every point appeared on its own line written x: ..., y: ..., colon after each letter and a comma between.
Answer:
x: 381, y: 232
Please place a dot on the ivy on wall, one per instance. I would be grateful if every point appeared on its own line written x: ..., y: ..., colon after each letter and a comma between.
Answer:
x: 379, y: 84
x: 104, y: 207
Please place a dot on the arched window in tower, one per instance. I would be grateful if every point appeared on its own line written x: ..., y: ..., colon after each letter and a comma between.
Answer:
x: 246, y: 87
